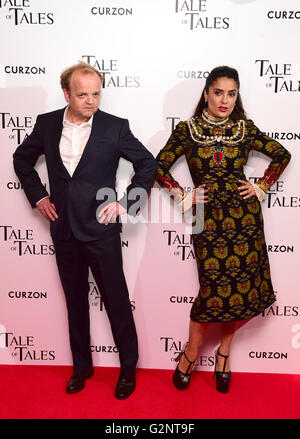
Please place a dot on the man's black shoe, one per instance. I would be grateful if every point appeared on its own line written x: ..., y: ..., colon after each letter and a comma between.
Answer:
x: 76, y: 382
x: 125, y: 385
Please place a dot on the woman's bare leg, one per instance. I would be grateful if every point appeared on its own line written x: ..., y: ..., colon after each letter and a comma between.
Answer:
x: 228, y: 331
x: 196, y: 332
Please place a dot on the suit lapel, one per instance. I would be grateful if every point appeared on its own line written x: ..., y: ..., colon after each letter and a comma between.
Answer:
x: 56, y: 133
x: 95, y: 137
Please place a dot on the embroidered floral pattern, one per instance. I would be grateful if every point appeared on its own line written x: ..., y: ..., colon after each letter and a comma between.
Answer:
x: 231, y: 254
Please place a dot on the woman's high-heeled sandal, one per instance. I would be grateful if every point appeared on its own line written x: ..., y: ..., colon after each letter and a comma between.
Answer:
x: 181, y: 380
x: 222, y: 378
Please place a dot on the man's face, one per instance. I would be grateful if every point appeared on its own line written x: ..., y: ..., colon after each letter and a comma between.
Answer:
x: 83, y: 96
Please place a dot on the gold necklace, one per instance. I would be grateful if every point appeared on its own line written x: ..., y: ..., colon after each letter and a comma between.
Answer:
x: 218, y: 133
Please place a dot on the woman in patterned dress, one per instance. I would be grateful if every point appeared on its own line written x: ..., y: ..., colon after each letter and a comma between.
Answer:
x: 231, y: 254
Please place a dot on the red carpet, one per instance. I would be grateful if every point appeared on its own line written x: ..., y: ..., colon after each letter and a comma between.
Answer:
x: 38, y: 392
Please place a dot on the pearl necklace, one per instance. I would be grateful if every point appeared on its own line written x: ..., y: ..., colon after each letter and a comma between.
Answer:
x: 218, y: 136
x: 212, y: 120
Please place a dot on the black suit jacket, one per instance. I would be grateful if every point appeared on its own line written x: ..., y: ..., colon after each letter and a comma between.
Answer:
x: 75, y: 197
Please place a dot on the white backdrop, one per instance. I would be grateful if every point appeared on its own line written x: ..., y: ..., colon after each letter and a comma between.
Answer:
x: 155, y: 57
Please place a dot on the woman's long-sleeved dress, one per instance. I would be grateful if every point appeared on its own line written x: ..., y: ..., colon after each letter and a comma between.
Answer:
x: 231, y: 254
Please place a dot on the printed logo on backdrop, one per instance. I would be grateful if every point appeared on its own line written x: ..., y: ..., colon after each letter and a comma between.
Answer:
x: 283, y: 135
x: 18, y: 127
x: 24, y: 70
x: 196, y: 16
x: 281, y: 311
x: 280, y: 248
x: 279, y: 77
x: 275, y: 196
x: 109, y: 68
x: 173, y: 121
x: 22, y: 243
x: 23, y: 347
x: 192, y: 74
x: 268, y: 355
x: 16, y: 185
x: 19, y: 12
x: 283, y: 15
x: 107, y: 349
x: 182, y: 299
x: 109, y: 8
x: 32, y: 295
x: 96, y: 299
x: 181, y: 244
x: 173, y: 347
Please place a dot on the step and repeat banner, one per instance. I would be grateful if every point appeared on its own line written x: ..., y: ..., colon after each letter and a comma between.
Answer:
x: 155, y: 56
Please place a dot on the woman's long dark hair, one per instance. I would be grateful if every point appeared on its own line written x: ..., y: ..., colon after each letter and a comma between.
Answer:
x: 221, y: 72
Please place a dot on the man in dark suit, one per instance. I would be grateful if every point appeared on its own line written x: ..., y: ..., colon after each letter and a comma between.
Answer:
x: 82, y: 147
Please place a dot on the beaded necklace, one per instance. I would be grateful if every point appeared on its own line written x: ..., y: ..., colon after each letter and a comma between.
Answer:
x: 213, y: 120
x: 218, y: 139
x: 218, y: 132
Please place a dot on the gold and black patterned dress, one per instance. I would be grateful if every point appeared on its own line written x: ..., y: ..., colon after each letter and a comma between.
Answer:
x: 231, y: 254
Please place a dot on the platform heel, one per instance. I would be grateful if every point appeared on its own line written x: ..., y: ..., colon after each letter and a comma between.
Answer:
x: 222, y: 378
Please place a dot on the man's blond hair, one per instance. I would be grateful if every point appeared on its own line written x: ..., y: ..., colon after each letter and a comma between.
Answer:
x: 81, y: 66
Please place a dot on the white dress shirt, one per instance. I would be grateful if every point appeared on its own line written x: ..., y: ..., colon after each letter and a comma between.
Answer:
x: 72, y: 142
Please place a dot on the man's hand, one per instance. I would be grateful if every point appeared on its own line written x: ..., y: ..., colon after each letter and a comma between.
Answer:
x: 47, y: 209
x: 111, y: 212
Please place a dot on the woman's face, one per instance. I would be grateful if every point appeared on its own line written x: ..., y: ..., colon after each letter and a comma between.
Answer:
x: 221, y: 97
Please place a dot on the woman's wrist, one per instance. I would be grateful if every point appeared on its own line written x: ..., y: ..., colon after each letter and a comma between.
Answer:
x: 258, y: 191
